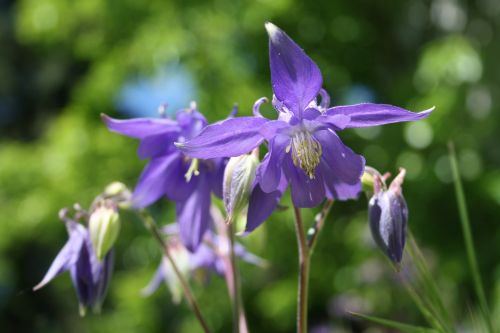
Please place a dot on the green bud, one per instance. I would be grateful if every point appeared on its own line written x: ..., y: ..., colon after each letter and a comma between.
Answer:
x: 371, y: 181
x: 118, y: 193
x: 104, y: 226
x: 367, y: 182
x: 238, y: 179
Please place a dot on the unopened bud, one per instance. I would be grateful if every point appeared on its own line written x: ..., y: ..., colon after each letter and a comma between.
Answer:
x: 238, y: 179
x: 118, y: 193
x: 388, y: 217
x: 371, y: 178
x: 104, y: 226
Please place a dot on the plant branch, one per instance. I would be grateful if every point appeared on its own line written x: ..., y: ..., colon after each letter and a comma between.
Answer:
x: 304, y: 263
x: 150, y: 224
x: 319, y: 221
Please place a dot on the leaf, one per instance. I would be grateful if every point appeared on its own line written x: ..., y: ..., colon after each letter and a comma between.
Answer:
x: 395, y: 324
x: 468, y: 239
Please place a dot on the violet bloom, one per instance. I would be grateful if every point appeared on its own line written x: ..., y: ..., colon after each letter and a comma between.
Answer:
x: 170, y: 173
x: 90, y: 276
x: 208, y: 257
x: 304, y: 148
x: 388, y: 217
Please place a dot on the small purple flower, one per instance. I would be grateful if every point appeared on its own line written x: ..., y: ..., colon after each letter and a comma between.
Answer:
x: 172, y: 174
x: 388, y: 217
x: 304, y: 148
x: 208, y: 257
x: 90, y: 276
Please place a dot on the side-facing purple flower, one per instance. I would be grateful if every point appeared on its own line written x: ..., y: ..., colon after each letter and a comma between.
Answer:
x: 208, y: 257
x: 186, y: 181
x: 304, y: 148
x: 90, y: 276
x: 388, y: 217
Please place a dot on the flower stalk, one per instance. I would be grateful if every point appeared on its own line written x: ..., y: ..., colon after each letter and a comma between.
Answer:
x: 239, y: 318
x: 306, y: 244
x: 150, y: 224
x: 304, y: 263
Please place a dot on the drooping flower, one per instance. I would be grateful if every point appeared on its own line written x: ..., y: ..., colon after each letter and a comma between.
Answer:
x: 208, y: 257
x: 305, y: 151
x: 170, y: 173
x: 89, y: 275
x: 388, y: 216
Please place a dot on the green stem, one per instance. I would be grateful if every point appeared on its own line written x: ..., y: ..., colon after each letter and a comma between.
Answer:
x: 304, y: 263
x: 239, y: 318
x: 469, y: 243
x: 319, y: 221
x: 150, y: 224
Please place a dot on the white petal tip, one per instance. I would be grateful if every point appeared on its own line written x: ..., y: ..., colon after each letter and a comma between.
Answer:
x: 272, y: 30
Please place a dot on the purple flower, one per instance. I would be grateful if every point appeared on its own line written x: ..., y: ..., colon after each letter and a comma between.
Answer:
x: 90, y: 276
x: 388, y: 217
x: 304, y: 148
x: 208, y: 257
x: 170, y: 173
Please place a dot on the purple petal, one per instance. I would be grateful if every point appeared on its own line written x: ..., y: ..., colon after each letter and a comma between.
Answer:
x: 217, y: 167
x: 274, y: 127
x: 193, y: 215
x: 204, y: 257
x: 191, y: 123
x: 269, y: 170
x: 341, y: 167
x: 155, y: 282
x: 241, y: 252
x: 337, y: 121
x: 67, y: 257
x: 177, y: 188
x: 368, y: 114
x: 227, y: 138
x: 311, y: 113
x: 154, y: 180
x: 157, y: 145
x: 295, y: 77
x: 262, y: 204
x: 140, y: 128
x: 81, y: 276
x: 306, y: 192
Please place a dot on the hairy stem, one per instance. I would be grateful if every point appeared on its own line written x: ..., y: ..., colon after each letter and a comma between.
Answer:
x: 150, y: 224
x: 319, y: 221
x: 304, y: 262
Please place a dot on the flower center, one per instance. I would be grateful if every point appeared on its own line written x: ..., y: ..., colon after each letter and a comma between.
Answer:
x: 306, y: 152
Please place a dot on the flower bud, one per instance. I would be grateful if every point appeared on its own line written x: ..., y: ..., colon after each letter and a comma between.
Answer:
x: 388, y: 216
x: 119, y: 193
x: 104, y: 226
x: 238, y: 179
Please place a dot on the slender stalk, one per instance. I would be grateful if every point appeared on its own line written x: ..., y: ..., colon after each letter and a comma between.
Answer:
x: 150, y: 224
x: 469, y: 243
x: 240, y: 323
x: 304, y: 263
x: 319, y: 221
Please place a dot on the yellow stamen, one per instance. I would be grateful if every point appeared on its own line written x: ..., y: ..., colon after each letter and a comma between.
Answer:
x: 193, y: 169
x: 306, y: 152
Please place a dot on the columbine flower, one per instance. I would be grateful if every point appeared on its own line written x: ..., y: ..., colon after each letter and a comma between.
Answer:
x: 90, y: 276
x: 208, y: 257
x: 304, y: 148
x: 388, y: 216
x: 170, y: 173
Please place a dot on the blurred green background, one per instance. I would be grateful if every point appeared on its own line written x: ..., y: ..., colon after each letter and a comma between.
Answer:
x: 63, y: 62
